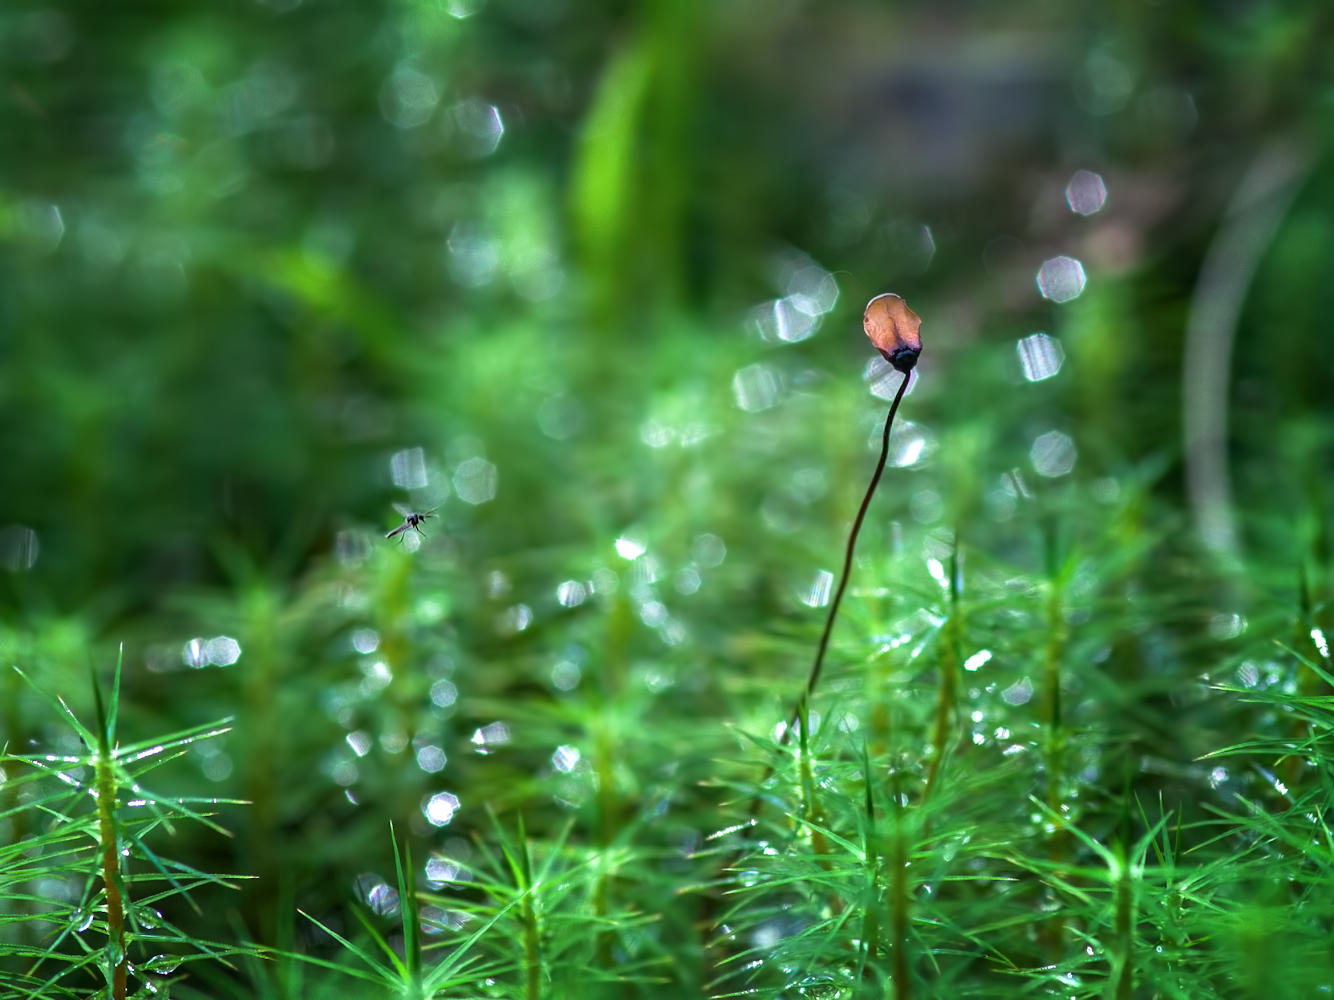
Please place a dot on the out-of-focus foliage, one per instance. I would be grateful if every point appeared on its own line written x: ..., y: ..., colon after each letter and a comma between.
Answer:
x: 584, y: 279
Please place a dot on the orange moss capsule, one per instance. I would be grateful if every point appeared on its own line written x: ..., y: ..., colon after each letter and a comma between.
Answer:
x: 893, y: 327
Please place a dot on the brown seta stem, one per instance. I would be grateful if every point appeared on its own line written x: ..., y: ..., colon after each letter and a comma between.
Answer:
x: 799, y: 716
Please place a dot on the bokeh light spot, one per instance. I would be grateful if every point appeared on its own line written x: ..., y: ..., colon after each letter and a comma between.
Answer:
x: 41, y: 224
x: 193, y: 655
x: 1061, y: 279
x: 360, y: 742
x: 474, y: 257
x: 565, y: 759
x: 1053, y: 454
x: 408, y: 468
x: 884, y: 379
x: 408, y: 97
x: 440, y: 808
x: 817, y: 594
x: 571, y: 593
x: 1018, y: 693
x: 222, y: 651
x: 913, y: 243
x: 443, y: 694
x: 19, y: 548
x: 708, y: 550
x: 1086, y: 192
x: 756, y: 387
x: 475, y: 481
x: 492, y: 734
x: 480, y: 125
x: 377, y: 894
x: 653, y: 614
x: 687, y: 581
x: 431, y: 759
x: 926, y: 506
x: 910, y: 444
x: 630, y: 546
x: 1041, y: 356
x: 565, y: 676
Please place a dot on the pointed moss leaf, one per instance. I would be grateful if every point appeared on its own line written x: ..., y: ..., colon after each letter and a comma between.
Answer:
x: 58, y: 704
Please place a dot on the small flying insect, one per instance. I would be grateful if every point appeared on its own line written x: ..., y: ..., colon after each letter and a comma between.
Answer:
x: 412, y: 521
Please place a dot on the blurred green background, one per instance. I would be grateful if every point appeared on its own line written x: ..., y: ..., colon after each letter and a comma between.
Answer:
x: 588, y: 275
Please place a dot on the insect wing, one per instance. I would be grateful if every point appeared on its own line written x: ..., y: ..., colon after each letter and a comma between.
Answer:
x: 403, y: 509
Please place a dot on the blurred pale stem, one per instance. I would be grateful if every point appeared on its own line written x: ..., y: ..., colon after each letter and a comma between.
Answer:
x: 15, y: 735
x: 1056, y: 641
x: 811, y: 804
x: 261, y: 683
x: 397, y: 647
x: 619, y: 629
x: 532, y: 938
x: 870, y: 903
x: 947, y: 701
x: 1125, y: 939
x: 1257, y: 209
x: 900, y: 905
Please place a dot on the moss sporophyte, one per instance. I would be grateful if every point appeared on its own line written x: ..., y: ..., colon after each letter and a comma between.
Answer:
x: 894, y: 330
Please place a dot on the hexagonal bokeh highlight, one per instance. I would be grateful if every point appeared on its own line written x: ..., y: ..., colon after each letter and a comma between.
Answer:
x: 1040, y: 356
x: 1061, y: 279
x: 1053, y: 454
x: 1086, y: 193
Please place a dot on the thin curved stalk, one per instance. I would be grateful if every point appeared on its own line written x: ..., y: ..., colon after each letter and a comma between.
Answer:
x: 1257, y: 210
x: 799, y: 716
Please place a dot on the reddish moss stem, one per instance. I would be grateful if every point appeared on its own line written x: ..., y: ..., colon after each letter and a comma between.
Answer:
x: 798, y: 716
